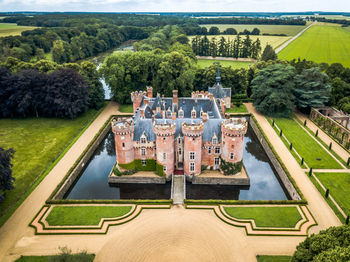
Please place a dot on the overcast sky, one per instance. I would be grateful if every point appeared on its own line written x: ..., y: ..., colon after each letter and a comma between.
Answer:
x: 176, y: 5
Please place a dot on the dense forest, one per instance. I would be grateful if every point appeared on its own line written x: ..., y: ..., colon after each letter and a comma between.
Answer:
x: 237, y: 48
x: 252, y: 21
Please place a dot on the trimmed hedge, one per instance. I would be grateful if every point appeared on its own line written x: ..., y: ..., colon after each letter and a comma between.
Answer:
x: 111, y: 201
x: 242, y: 202
x: 137, y: 165
x: 160, y: 169
x: 229, y: 168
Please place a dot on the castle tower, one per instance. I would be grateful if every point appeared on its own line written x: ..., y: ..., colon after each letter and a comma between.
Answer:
x: 165, y: 134
x: 192, y: 147
x: 123, y: 130
x: 233, y: 131
x: 149, y: 91
x: 136, y: 98
x: 175, y: 97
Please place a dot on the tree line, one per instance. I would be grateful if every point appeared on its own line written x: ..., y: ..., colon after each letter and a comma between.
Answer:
x: 237, y: 48
x: 252, y: 21
x: 46, y: 89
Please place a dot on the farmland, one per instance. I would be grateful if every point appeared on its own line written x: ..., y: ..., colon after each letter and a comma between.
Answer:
x: 274, y: 41
x: 289, y: 30
x: 13, y: 29
x: 234, y: 64
x: 321, y: 43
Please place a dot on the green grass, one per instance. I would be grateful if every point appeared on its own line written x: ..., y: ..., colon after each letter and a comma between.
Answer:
x: 126, y: 108
x: 202, y: 63
x: 84, y: 215
x: 306, y: 146
x: 289, y: 30
x: 274, y: 41
x: 267, y: 216
x: 37, y: 142
x: 235, y: 109
x: 7, y: 29
x: 320, y: 43
x: 77, y: 257
x: 339, y: 187
x: 261, y: 258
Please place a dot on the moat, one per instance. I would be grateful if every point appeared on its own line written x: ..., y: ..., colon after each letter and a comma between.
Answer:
x: 93, y: 182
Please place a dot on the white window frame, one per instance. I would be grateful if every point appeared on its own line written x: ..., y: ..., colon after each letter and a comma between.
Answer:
x: 232, y: 155
x: 179, y: 140
x: 164, y: 156
x: 143, y: 140
x: 209, y: 150
x: 143, y: 151
x: 216, y: 161
x: 192, y: 155
x: 217, y: 150
x: 180, y: 151
x: 192, y: 166
x: 193, y: 114
x: 164, y: 168
x: 181, y: 113
x: 215, y: 140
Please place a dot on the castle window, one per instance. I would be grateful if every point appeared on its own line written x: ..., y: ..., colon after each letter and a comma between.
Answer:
x: 216, y: 161
x: 232, y: 146
x: 209, y: 150
x: 164, y: 156
x: 164, y: 168
x: 215, y: 140
x: 180, y: 152
x: 192, y: 154
x: 232, y: 155
x: 193, y: 113
x: 143, y: 151
x: 143, y: 140
x: 217, y: 150
x: 123, y: 144
x: 143, y: 162
x: 181, y: 113
x: 179, y: 140
x: 192, y: 167
x: 168, y: 113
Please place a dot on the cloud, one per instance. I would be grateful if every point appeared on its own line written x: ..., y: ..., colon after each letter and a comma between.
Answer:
x: 175, y: 5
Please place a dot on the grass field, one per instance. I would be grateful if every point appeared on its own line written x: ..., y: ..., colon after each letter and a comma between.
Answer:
x: 202, y: 63
x: 235, y: 109
x: 315, y: 156
x: 289, y: 30
x: 13, y: 29
x: 274, y: 41
x: 37, y: 142
x: 320, y: 43
x: 267, y: 216
x: 71, y: 257
x: 84, y: 215
x: 339, y: 187
x: 125, y: 108
x: 261, y: 258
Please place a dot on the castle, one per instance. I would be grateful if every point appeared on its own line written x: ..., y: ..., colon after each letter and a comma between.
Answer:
x: 181, y: 134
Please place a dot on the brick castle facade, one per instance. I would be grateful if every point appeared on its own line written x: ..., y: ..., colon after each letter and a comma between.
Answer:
x: 181, y: 133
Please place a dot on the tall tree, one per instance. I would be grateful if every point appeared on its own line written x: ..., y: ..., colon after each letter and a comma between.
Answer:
x: 312, y: 89
x: 272, y: 90
x: 268, y: 53
x: 6, y: 178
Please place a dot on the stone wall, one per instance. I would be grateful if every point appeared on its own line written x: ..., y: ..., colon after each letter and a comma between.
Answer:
x: 112, y: 179
x: 74, y: 175
x: 276, y: 164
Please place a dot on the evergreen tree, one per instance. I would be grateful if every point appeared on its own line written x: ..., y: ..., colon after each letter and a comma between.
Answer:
x: 268, y: 53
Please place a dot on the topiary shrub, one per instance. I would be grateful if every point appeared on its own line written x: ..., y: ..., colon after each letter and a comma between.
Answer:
x: 160, y: 170
x: 332, y: 243
x: 229, y: 168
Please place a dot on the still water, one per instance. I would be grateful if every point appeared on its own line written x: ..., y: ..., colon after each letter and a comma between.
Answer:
x: 93, y: 183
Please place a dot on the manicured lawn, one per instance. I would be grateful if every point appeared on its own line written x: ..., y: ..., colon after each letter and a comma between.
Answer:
x: 314, y: 155
x: 7, y: 29
x: 125, y: 108
x: 77, y: 257
x: 274, y: 41
x: 320, y: 43
x: 261, y: 258
x: 37, y: 142
x: 289, y: 30
x: 339, y: 187
x: 84, y: 215
x: 235, y: 109
x: 202, y: 63
x: 267, y: 216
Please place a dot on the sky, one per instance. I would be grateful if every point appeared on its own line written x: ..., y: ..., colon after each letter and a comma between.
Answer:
x: 176, y: 5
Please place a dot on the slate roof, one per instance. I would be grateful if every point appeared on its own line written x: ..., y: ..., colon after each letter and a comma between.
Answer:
x: 219, y: 92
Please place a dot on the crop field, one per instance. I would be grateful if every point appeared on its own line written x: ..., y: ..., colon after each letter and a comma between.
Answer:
x: 274, y: 41
x: 321, y: 43
x: 13, y: 29
x: 202, y: 63
x: 289, y: 30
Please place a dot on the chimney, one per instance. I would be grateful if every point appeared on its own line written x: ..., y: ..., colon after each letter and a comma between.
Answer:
x: 149, y: 91
x: 204, y: 117
x: 173, y: 116
x: 142, y: 113
x: 175, y: 97
x: 223, y: 107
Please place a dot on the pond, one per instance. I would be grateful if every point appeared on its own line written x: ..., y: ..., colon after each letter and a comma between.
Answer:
x: 93, y: 182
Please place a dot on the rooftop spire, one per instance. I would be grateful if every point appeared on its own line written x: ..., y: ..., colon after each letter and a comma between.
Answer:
x: 218, y: 77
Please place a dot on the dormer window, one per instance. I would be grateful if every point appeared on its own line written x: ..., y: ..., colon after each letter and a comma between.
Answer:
x: 193, y: 113
x: 143, y: 139
x: 215, y: 140
x: 181, y: 113
x: 168, y: 113
x: 201, y: 113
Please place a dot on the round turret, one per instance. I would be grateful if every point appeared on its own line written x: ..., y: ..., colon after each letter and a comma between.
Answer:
x: 136, y: 98
x: 123, y: 130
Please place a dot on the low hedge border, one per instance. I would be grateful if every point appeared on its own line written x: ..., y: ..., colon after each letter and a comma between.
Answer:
x: 37, y: 181
x: 111, y: 201
x: 323, y: 143
x: 89, y: 233
x: 328, y: 200
x: 243, y: 202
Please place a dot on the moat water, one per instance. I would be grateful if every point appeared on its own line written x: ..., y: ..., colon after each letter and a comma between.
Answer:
x: 93, y: 182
